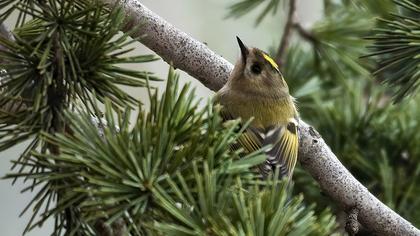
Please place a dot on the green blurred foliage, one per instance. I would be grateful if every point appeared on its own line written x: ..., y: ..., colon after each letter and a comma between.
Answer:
x: 65, y: 54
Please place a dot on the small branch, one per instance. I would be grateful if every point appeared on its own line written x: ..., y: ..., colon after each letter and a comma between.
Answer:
x: 292, y: 24
x: 291, y: 18
x: 309, y: 37
x: 352, y: 225
x: 102, y: 229
x: 305, y: 34
x: 117, y: 228
x: 315, y: 156
x: 327, y: 6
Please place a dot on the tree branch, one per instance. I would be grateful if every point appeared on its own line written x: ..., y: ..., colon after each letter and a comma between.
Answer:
x: 305, y: 34
x: 178, y: 48
x: 175, y: 46
x: 352, y: 224
x: 291, y: 15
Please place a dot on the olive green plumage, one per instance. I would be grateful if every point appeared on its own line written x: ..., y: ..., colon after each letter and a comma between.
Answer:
x: 257, y: 89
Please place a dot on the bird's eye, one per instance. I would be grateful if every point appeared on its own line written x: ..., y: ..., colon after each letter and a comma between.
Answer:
x: 256, y: 69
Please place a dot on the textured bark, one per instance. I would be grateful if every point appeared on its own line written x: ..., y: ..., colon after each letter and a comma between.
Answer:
x: 335, y: 180
x: 192, y: 56
x: 175, y: 46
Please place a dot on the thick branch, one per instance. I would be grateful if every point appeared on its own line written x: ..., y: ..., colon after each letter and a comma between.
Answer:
x: 315, y: 156
x: 291, y: 15
x: 318, y: 159
x: 175, y: 46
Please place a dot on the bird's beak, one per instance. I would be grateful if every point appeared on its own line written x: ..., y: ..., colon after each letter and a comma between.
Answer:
x: 244, y: 49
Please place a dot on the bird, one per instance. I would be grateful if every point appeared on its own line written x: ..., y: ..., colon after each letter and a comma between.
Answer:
x: 257, y: 90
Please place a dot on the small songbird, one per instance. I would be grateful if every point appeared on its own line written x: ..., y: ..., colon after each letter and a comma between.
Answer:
x: 256, y: 89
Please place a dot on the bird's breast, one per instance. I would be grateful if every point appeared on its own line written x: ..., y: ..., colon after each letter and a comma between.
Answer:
x: 266, y: 111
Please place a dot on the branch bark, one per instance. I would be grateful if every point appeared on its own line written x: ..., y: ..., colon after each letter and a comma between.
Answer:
x: 175, y: 46
x: 305, y: 34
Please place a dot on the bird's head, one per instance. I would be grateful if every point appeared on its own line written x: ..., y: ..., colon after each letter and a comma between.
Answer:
x: 257, y: 73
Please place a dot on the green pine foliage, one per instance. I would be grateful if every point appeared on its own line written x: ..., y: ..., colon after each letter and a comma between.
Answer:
x: 68, y: 55
x: 338, y: 45
x: 243, y: 7
x: 171, y: 172
x: 397, y: 49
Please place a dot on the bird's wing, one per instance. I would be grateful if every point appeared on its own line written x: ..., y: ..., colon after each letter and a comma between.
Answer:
x: 284, y: 142
x: 284, y: 151
x: 250, y: 140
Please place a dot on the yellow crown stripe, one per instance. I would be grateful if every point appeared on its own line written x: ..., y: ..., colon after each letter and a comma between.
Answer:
x: 271, y: 61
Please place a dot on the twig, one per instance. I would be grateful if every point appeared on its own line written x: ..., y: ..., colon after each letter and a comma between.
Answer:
x: 117, y: 228
x: 291, y: 17
x: 292, y: 24
x: 352, y: 225
x: 309, y: 37
x: 305, y: 34
x: 102, y: 229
